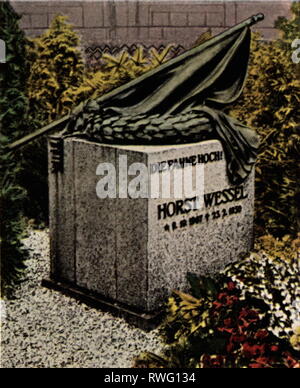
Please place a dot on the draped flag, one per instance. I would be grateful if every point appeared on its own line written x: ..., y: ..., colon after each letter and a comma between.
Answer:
x: 204, y: 79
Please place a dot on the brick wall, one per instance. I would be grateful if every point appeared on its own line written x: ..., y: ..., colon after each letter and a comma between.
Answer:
x: 149, y: 22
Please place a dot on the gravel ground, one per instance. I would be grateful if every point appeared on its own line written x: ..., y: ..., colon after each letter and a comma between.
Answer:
x: 45, y: 329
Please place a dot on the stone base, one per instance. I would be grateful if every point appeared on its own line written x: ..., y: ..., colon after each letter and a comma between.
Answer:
x: 136, y: 251
x: 145, y: 321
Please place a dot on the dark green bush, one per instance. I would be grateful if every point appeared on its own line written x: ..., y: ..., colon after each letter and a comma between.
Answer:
x: 290, y: 27
x: 13, y: 104
x: 13, y: 74
x: 270, y: 104
x: 12, y: 224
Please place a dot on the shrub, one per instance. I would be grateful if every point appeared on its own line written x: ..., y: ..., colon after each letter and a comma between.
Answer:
x: 56, y: 66
x: 290, y: 28
x: 270, y: 103
x: 13, y: 109
x: 284, y: 249
x: 13, y: 74
x: 114, y: 71
x: 12, y: 225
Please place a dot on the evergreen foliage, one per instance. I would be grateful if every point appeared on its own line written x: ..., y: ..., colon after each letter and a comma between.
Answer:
x: 56, y: 66
x: 13, y: 104
x: 12, y: 225
x: 290, y: 27
x: 117, y: 70
x: 13, y: 74
x: 270, y: 104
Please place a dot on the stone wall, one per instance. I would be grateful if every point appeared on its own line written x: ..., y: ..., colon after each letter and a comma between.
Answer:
x: 149, y: 22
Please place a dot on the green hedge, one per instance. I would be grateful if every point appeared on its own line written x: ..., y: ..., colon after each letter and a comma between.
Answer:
x: 270, y: 104
x: 13, y: 103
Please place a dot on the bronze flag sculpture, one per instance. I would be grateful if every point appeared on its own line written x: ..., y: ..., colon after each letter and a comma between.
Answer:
x: 179, y: 102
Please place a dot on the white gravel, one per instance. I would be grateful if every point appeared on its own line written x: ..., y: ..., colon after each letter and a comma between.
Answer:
x: 45, y: 329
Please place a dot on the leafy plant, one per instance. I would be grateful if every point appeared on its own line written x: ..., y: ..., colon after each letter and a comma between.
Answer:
x: 12, y: 225
x: 13, y: 109
x: 13, y: 74
x: 285, y: 249
x: 116, y: 71
x: 290, y: 28
x: 116, y: 64
x: 56, y: 66
x: 270, y: 103
x: 139, y: 58
x: 159, y: 57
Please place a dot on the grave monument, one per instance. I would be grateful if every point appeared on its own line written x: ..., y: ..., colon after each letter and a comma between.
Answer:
x: 127, y: 252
